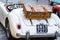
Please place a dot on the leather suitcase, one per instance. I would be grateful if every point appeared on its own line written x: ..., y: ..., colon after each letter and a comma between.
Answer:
x: 37, y: 11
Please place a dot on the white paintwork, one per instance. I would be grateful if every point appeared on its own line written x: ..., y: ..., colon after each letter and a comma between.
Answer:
x: 16, y: 16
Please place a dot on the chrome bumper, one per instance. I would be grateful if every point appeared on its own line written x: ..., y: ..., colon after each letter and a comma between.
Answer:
x: 43, y: 35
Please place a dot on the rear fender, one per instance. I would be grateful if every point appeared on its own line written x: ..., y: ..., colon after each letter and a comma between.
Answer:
x: 13, y: 21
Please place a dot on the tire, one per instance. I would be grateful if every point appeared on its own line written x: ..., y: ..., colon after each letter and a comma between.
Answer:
x: 54, y: 11
x: 8, y: 33
x: 51, y: 3
x: 52, y: 38
x: 58, y: 14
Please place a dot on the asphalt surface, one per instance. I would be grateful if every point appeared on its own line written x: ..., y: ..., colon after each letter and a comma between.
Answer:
x: 2, y: 33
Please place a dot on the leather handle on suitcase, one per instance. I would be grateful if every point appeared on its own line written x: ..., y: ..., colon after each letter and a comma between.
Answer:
x: 32, y: 9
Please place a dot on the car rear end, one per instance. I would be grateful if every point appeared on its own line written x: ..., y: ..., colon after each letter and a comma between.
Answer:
x: 38, y: 31
x: 35, y: 28
x: 38, y: 28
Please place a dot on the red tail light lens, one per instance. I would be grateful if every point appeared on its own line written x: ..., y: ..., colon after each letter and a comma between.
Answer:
x: 19, y: 26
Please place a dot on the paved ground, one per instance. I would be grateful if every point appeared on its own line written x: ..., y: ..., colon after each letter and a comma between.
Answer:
x: 2, y: 33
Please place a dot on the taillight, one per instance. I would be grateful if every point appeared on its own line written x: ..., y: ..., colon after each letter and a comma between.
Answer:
x: 19, y: 26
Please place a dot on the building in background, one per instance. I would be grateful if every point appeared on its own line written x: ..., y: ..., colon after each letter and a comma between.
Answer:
x: 21, y: 1
x: 13, y: 1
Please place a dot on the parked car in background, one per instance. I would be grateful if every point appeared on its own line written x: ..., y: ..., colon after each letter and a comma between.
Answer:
x: 56, y: 9
x: 52, y: 2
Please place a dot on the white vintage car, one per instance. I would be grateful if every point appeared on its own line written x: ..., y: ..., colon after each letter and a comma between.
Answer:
x: 14, y: 21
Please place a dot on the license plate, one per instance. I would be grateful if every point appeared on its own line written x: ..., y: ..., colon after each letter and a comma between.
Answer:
x: 41, y: 28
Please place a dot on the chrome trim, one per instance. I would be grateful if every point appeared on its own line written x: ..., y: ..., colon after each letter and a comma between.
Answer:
x: 32, y: 36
